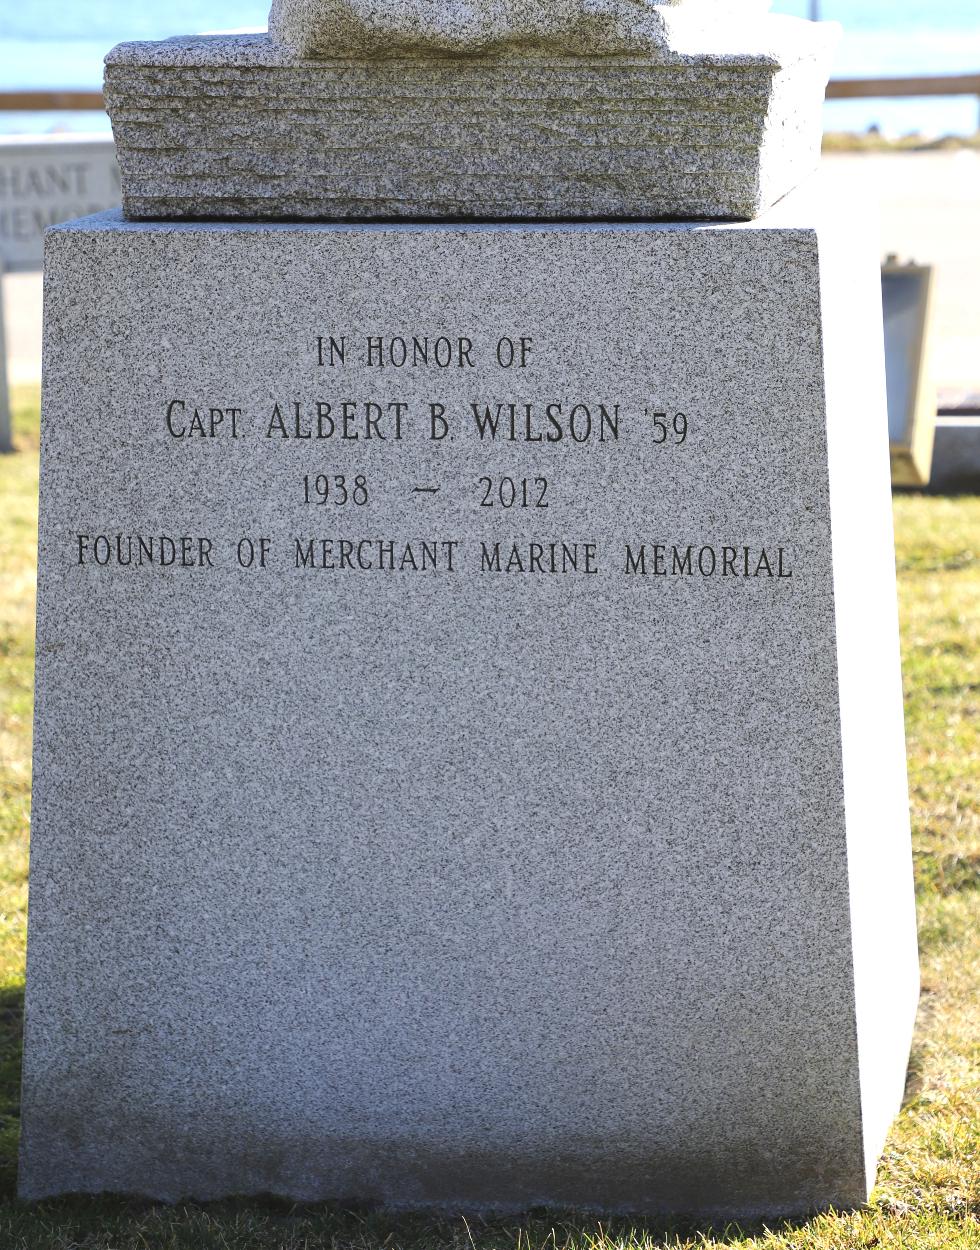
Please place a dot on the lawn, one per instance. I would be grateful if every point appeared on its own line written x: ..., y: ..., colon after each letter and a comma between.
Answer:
x: 929, y: 1185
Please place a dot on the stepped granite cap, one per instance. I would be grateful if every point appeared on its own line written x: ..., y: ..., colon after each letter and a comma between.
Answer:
x: 490, y: 110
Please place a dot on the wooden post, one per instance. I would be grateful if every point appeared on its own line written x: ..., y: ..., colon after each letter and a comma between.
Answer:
x: 6, y: 431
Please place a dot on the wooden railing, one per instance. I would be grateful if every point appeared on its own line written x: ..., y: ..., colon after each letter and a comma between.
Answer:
x: 40, y: 101
x: 891, y: 88
x: 882, y: 88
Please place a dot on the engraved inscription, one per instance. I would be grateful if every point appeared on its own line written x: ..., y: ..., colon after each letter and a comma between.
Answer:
x: 370, y: 438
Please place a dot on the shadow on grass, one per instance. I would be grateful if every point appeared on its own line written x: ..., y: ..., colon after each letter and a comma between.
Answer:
x: 919, y: 1053
x: 11, y: 1049
x: 271, y: 1224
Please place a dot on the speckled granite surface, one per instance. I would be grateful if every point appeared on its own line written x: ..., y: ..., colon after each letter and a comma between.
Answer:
x: 397, y: 842
x: 719, y: 123
x: 467, y: 27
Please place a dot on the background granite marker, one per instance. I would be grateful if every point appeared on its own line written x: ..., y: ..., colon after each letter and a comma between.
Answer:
x: 49, y: 178
x: 464, y: 887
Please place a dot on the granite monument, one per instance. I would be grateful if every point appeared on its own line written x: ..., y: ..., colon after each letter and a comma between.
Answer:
x: 469, y: 762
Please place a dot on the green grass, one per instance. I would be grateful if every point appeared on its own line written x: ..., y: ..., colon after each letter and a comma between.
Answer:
x: 929, y: 1186
x: 18, y: 557
x: 871, y: 141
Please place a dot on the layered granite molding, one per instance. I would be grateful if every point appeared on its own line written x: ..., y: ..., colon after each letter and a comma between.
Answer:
x: 717, y: 125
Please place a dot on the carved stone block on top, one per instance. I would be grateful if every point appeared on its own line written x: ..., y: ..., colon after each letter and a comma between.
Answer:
x: 459, y: 27
x: 496, y: 109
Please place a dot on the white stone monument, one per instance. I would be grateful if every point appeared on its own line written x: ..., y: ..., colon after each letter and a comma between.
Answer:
x: 469, y: 762
x: 910, y: 387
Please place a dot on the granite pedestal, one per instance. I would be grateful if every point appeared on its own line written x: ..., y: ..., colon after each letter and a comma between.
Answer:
x: 469, y: 768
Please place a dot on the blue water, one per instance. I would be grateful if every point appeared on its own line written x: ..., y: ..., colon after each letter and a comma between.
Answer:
x: 61, y: 43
